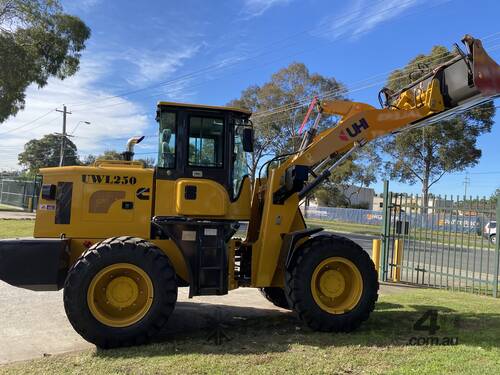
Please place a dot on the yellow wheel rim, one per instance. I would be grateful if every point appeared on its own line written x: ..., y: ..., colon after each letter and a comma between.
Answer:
x: 120, y: 295
x: 336, y: 285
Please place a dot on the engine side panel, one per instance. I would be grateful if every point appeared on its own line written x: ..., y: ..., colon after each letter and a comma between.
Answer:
x: 96, y: 202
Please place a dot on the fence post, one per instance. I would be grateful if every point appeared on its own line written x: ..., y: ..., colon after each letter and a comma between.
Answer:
x: 33, y: 194
x: 497, y: 252
x: 386, y: 217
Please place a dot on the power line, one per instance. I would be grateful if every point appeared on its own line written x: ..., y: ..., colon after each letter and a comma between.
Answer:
x: 218, y: 66
x: 28, y: 123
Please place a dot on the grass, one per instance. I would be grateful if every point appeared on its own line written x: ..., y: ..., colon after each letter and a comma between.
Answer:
x: 458, y: 239
x: 337, y: 226
x: 23, y: 228
x: 283, y: 345
x: 16, y: 228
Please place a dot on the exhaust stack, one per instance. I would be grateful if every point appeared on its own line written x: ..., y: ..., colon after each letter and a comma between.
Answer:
x: 128, y: 155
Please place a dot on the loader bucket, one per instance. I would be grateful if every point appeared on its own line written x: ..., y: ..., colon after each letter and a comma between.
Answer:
x: 486, y: 71
x: 466, y: 81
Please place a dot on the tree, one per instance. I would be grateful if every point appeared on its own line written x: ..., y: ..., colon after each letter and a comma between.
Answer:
x: 278, y: 117
x: 330, y: 196
x: 349, y: 178
x: 37, y: 41
x: 426, y: 155
x: 115, y: 155
x: 45, y: 152
x: 276, y: 130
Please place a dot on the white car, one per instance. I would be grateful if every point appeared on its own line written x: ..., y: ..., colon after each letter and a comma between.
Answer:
x: 490, y: 231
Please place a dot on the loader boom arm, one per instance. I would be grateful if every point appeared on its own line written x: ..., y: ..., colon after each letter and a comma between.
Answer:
x: 464, y: 82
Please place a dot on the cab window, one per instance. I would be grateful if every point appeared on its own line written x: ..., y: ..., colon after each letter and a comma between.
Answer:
x: 206, y: 142
x: 167, y: 149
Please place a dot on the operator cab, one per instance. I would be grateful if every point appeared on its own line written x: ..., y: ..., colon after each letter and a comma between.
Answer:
x: 203, y: 150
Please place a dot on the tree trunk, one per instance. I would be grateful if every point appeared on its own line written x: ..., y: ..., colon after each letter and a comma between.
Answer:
x: 425, y: 192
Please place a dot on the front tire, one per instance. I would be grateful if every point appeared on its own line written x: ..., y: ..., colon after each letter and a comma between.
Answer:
x: 493, y: 239
x: 276, y: 296
x: 120, y: 292
x: 332, y: 284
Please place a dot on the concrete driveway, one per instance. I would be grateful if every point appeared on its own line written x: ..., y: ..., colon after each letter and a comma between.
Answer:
x: 34, y: 324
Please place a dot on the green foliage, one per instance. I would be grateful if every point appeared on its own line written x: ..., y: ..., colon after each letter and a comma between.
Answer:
x: 37, y: 41
x: 45, y: 152
x: 114, y: 155
x: 330, y: 196
x: 425, y: 155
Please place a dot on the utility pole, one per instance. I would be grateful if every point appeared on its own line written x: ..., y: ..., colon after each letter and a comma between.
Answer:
x: 466, y: 183
x: 63, y: 136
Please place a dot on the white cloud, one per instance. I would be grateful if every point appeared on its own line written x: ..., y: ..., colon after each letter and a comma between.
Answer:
x: 84, y: 5
x: 110, y: 117
x: 255, y: 8
x: 156, y: 66
x: 362, y: 16
x: 121, y: 120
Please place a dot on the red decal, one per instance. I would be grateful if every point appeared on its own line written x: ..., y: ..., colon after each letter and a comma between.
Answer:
x: 343, y: 136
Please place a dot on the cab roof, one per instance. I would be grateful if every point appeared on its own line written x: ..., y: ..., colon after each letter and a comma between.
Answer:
x: 202, y: 106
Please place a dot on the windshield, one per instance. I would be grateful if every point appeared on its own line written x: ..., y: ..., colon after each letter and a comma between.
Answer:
x: 240, y: 168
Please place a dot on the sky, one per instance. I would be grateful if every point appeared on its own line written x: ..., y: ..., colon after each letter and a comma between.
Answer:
x: 207, y: 52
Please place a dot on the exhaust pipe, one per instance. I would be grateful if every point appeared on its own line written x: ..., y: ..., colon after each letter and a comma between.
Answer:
x: 128, y: 155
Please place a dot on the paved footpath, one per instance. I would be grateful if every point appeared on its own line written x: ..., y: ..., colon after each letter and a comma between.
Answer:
x: 33, y: 324
x: 17, y: 215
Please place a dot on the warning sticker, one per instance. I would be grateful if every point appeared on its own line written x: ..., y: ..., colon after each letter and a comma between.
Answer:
x: 188, y: 235
x: 210, y: 232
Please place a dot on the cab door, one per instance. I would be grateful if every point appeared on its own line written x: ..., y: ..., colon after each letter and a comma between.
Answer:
x: 198, y: 180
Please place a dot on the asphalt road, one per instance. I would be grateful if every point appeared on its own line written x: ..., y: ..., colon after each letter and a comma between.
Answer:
x: 441, y: 264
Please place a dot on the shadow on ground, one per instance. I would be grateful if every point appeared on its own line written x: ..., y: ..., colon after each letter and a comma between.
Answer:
x: 244, y: 330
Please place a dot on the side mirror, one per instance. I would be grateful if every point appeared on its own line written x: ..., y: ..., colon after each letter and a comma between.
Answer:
x: 247, y: 139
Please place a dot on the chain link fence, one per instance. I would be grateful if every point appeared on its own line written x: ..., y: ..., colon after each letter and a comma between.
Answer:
x: 345, y: 215
x: 19, y: 192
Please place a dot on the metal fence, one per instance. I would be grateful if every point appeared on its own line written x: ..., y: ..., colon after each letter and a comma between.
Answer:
x: 19, y: 192
x: 448, y: 242
x: 346, y: 215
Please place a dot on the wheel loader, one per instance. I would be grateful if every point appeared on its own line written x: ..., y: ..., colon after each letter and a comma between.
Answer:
x: 121, y: 238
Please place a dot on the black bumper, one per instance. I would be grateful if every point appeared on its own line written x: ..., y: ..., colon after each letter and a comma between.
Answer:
x: 34, y: 263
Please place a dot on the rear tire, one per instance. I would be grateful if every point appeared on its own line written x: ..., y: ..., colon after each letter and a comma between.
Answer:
x: 493, y: 239
x: 120, y: 292
x: 332, y: 284
x: 276, y: 296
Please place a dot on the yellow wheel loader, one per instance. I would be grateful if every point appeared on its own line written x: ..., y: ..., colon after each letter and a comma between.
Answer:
x: 120, y: 238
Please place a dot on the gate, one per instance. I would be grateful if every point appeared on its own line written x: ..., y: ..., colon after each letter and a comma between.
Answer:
x: 447, y: 242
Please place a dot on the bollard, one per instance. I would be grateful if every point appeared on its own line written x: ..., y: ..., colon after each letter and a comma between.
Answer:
x: 376, y: 253
x: 398, y: 257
